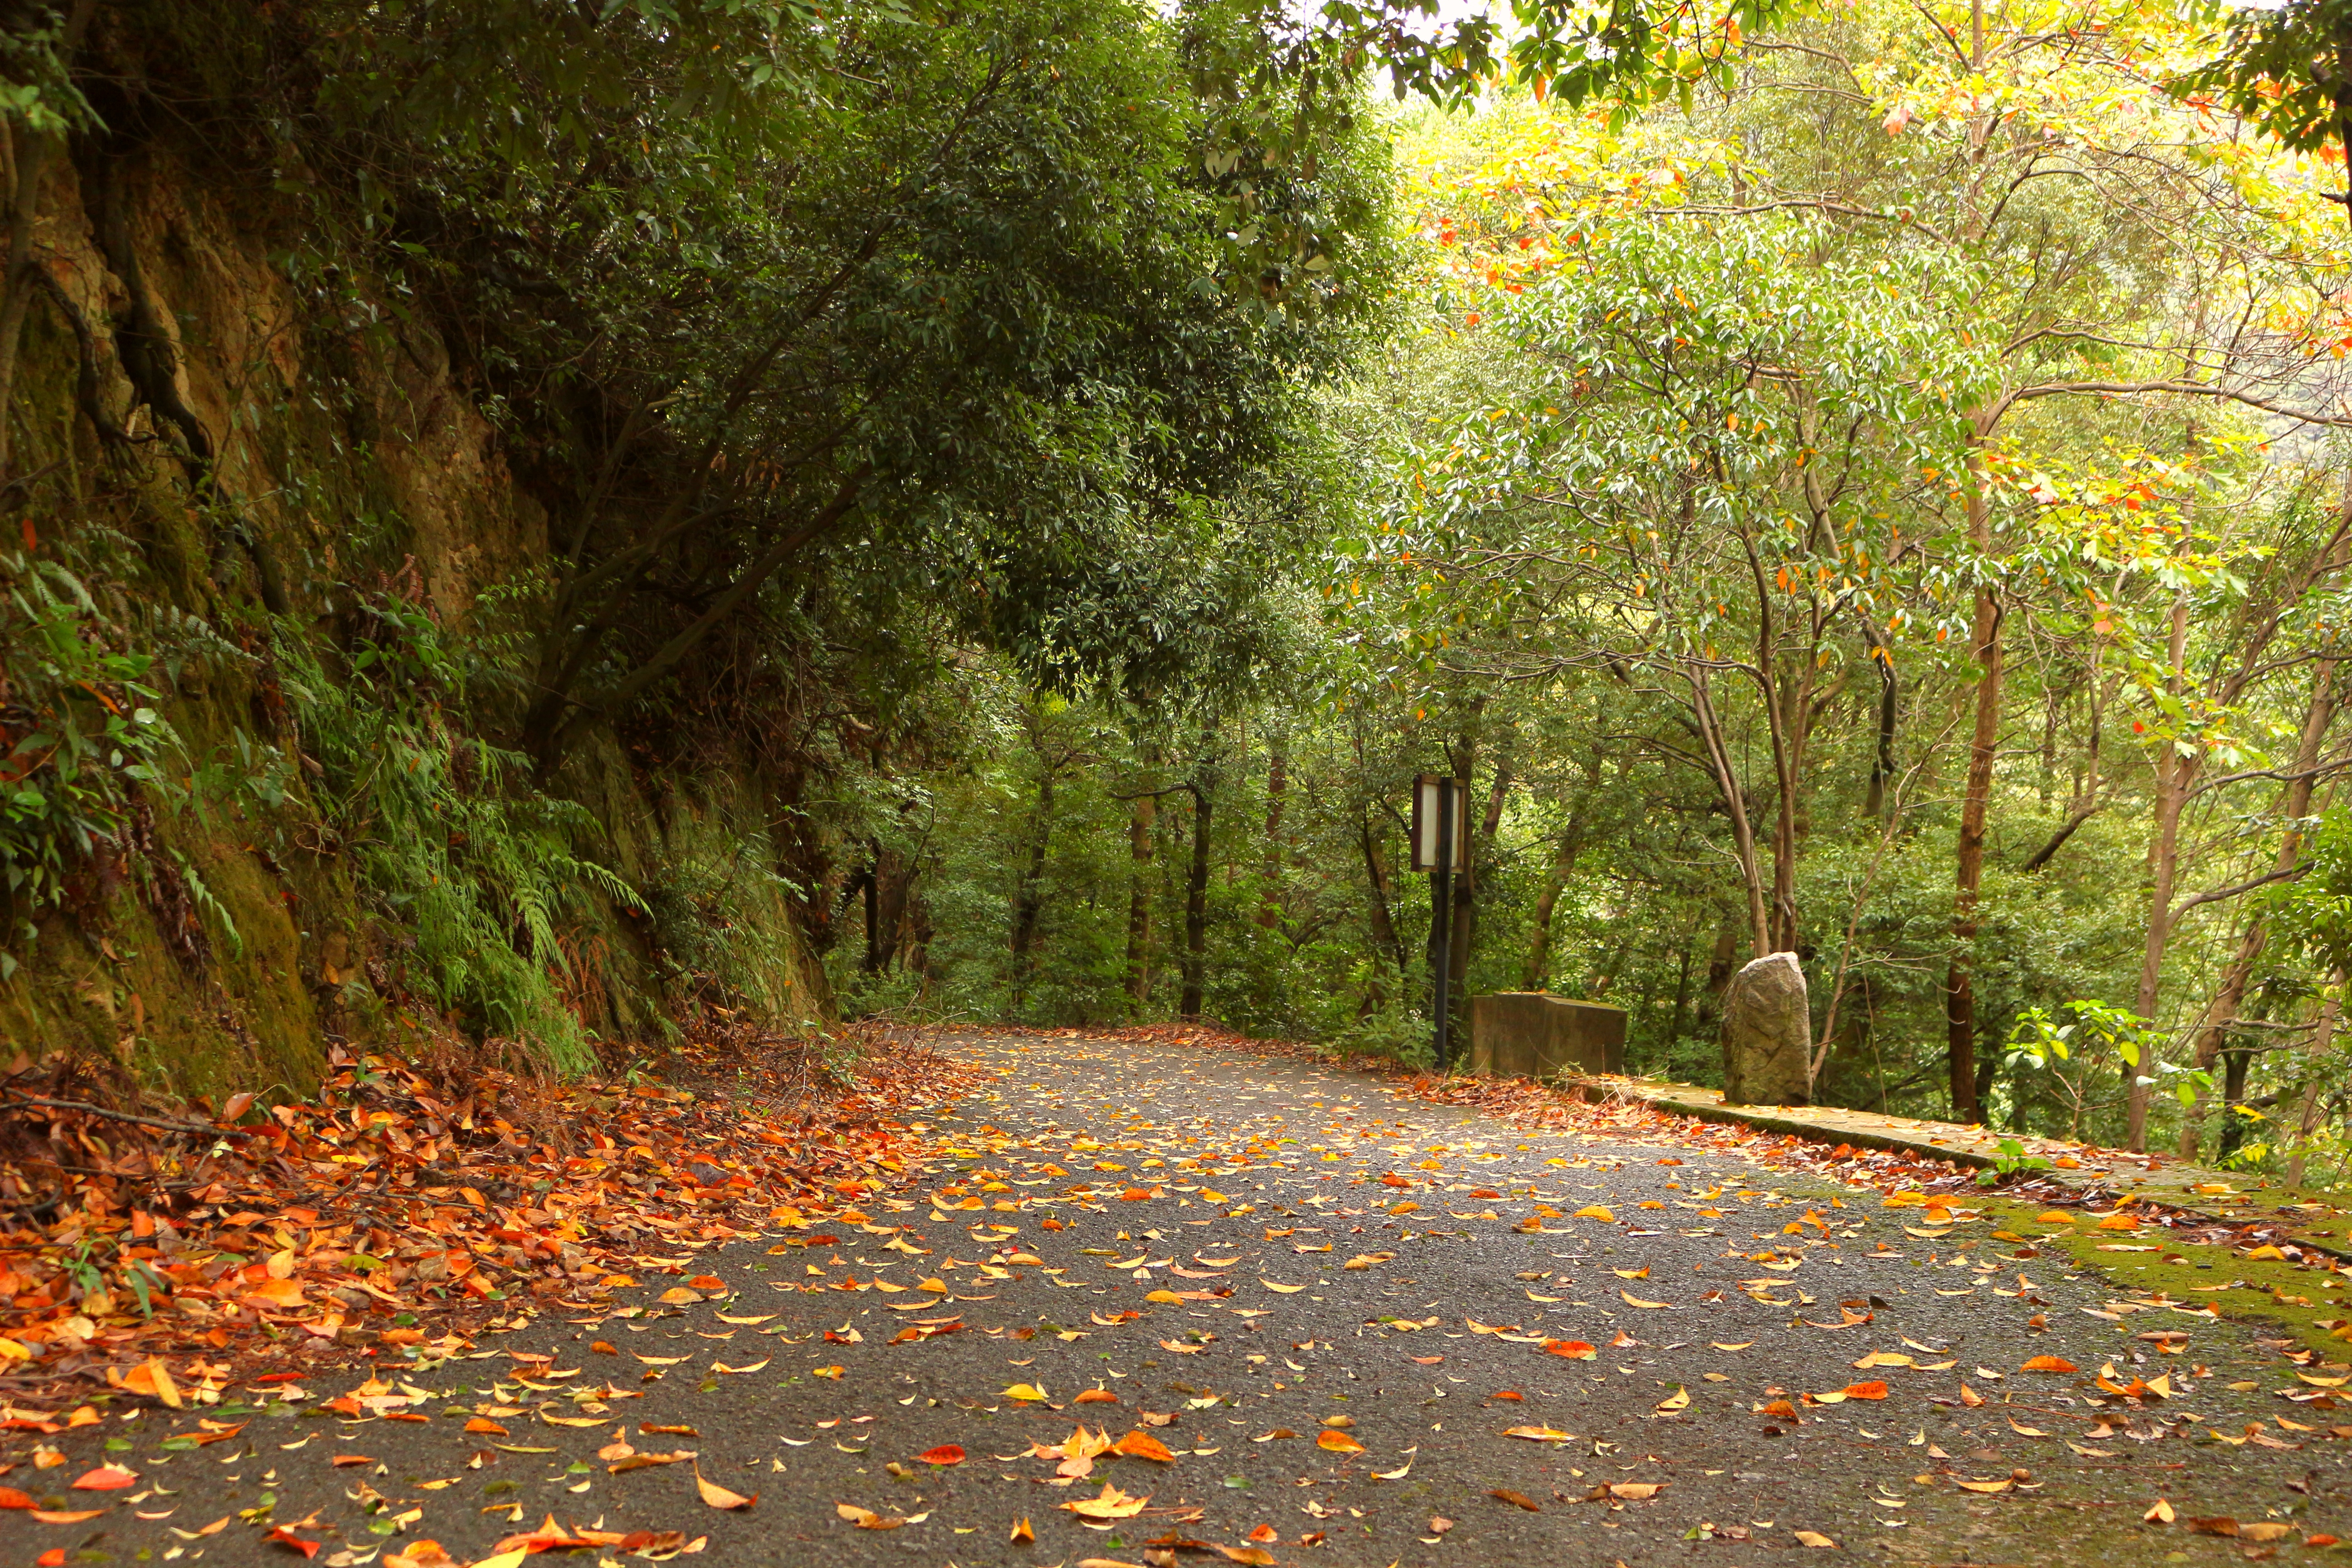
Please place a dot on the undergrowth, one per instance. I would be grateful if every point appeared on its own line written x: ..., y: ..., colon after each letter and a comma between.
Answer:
x: 486, y: 874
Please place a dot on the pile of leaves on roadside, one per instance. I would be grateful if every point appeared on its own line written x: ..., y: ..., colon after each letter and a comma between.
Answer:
x: 406, y: 1203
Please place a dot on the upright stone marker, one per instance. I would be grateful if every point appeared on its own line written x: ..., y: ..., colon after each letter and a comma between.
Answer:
x: 1767, y: 1047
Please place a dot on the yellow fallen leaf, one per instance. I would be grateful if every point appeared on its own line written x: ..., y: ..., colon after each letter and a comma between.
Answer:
x: 1813, y: 1538
x: 2159, y: 1513
x: 1112, y: 1504
x: 1633, y: 1301
x: 1678, y: 1400
x: 1286, y: 1289
x: 680, y: 1296
x: 866, y: 1518
x: 1999, y: 1486
x: 1597, y: 1211
x: 1028, y: 1390
x: 1539, y: 1433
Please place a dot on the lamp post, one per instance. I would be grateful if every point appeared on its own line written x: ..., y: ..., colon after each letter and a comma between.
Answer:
x: 1438, y: 841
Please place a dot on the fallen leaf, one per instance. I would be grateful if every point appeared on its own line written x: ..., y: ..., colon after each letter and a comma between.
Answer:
x: 1515, y: 1499
x: 1337, y: 1443
x: 2158, y: 1512
x: 106, y: 1479
x: 1574, y: 1350
x: 2048, y: 1364
x: 866, y: 1518
x: 1142, y: 1445
x: 1112, y: 1504
x: 945, y: 1454
x: 1539, y: 1433
x: 1813, y: 1538
x: 720, y: 1496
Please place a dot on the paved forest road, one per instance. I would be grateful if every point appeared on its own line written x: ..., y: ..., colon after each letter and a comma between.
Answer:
x: 1298, y: 1284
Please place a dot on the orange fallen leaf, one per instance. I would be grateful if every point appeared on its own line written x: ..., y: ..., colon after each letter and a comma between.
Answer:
x: 483, y: 1424
x: 283, y: 1535
x: 344, y: 1461
x: 11, y: 1497
x: 1142, y: 1445
x: 1095, y: 1396
x: 718, y: 1496
x: 1574, y: 1350
x: 2048, y: 1364
x: 1337, y: 1443
x: 107, y: 1478
x: 1515, y: 1499
x: 866, y: 1518
x: 1874, y: 1389
x: 68, y: 1516
x: 1021, y: 1531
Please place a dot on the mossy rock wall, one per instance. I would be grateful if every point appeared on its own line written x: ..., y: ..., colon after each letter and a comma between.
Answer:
x: 346, y: 461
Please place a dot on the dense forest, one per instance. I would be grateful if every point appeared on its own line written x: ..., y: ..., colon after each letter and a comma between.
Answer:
x: 549, y: 524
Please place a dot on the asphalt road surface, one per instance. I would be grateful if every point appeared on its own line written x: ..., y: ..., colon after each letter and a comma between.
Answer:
x: 1275, y: 1314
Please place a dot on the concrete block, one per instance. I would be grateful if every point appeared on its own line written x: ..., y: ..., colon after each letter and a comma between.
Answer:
x: 1533, y: 1034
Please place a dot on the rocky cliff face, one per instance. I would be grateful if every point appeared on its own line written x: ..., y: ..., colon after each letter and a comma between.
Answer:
x: 252, y: 691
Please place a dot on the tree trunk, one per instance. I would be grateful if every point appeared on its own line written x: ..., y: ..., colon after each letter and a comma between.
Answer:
x: 2295, y: 804
x: 1196, y: 910
x: 1382, y: 910
x: 2164, y: 863
x: 1960, y: 980
x: 1029, y: 893
x: 1465, y: 881
x: 1735, y: 805
x: 1721, y: 964
x: 1139, y: 902
x: 2323, y: 1041
x: 1278, y: 779
x: 1682, y: 991
x: 1537, y: 975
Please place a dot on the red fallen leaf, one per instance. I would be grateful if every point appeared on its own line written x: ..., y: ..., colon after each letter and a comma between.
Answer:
x: 346, y: 1406
x: 1264, y: 1532
x: 11, y: 1497
x: 1508, y: 1393
x: 107, y: 1478
x: 54, y: 1557
x: 1874, y: 1389
x: 283, y: 1535
x: 945, y: 1454
x: 1574, y: 1350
